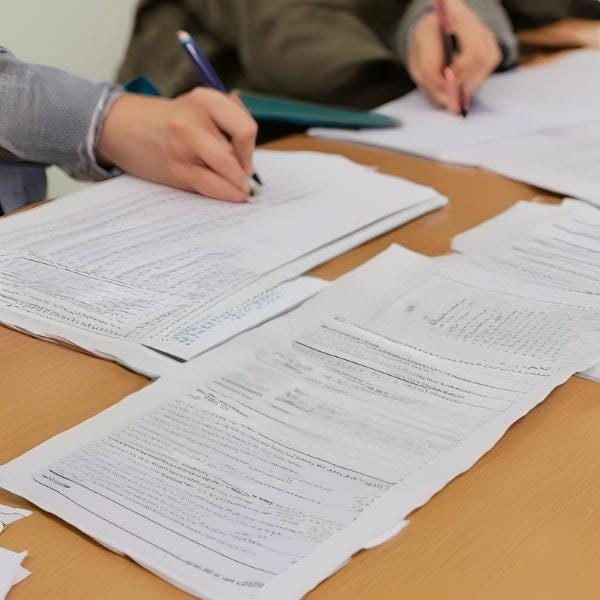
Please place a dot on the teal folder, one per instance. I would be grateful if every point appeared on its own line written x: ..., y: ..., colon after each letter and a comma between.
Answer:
x: 273, y: 109
x: 141, y: 85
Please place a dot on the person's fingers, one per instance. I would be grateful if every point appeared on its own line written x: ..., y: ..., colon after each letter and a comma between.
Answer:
x: 429, y: 78
x: 437, y: 91
x: 245, y: 147
x: 244, y: 143
x: 235, y: 121
x: 454, y: 92
x: 434, y: 87
x: 219, y: 155
x: 466, y: 101
x: 465, y: 64
x: 426, y: 59
x: 474, y: 81
x: 235, y: 96
x: 206, y: 182
x: 478, y: 51
x: 473, y: 68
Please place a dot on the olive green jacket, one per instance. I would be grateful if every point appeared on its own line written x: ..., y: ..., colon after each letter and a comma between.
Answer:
x: 348, y: 52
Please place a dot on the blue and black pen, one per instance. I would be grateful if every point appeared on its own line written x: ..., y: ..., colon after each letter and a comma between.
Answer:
x: 205, y: 70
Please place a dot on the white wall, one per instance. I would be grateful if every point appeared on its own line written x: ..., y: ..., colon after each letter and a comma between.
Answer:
x: 85, y: 37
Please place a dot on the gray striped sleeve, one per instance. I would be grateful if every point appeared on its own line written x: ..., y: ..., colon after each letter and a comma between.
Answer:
x: 50, y: 117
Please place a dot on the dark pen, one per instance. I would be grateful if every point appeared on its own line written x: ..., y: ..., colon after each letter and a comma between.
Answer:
x: 205, y: 70
x: 450, y: 47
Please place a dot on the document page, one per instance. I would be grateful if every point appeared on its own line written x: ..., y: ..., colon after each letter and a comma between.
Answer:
x: 517, y: 221
x: 557, y: 259
x: 565, y: 161
x: 558, y: 94
x: 147, y: 264
x: 260, y: 468
x: 241, y: 312
x: 554, y: 253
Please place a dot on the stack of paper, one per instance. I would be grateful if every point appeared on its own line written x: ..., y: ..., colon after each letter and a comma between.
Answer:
x: 263, y: 465
x: 11, y: 571
x: 150, y: 276
x: 539, y: 124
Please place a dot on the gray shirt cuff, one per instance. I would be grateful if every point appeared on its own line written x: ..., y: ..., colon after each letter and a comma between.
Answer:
x: 93, y: 170
x: 50, y: 117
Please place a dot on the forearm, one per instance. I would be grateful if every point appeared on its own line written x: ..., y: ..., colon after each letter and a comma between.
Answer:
x: 491, y: 12
x: 50, y: 117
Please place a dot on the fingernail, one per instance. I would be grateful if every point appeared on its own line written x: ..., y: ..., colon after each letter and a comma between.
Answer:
x: 451, y: 80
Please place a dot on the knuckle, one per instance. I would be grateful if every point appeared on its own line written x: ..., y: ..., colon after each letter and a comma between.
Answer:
x: 176, y: 128
x: 249, y: 130
x: 220, y: 159
x: 199, y: 94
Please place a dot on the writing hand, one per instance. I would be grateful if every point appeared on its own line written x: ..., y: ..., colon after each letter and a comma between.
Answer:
x: 478, y: 55
x: 201, y: 141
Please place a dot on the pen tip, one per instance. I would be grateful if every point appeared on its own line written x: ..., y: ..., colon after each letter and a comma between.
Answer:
x: 464, y: 113
x: 257, y: 178
x: 183, y: 36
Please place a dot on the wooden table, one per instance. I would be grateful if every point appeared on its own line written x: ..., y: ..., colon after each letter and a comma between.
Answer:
x: 523, y: 523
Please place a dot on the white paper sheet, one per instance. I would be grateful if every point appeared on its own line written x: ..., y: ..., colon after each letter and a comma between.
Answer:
x: 558, y: 94
x: 11, y: 571
x: 519, y: 220
x: 553, y: 246
x: 565, y: 161
x: 132, y: 266
x: 263, y: 465
x: 10, y: 514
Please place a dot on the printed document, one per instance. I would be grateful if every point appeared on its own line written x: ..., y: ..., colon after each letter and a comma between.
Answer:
x: 146, y: 274
x: 548, y: 251
x: 262, y: 466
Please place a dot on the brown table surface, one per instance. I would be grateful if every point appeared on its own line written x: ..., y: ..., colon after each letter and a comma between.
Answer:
x: 523, y: 523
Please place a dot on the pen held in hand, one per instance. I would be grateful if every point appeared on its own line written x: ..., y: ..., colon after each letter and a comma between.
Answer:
x: 207, y: 74
x: 450, y: 48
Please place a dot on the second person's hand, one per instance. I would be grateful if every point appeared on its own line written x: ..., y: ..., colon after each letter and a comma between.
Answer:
x: 478, y: 56
x: 201, y: 141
